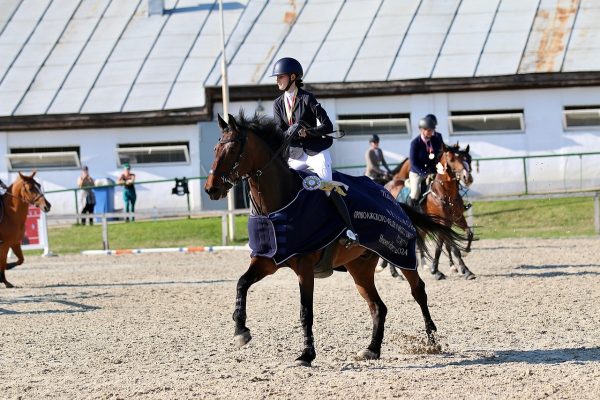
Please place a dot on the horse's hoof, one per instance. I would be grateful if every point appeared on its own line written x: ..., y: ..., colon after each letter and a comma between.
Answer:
x: 439, y: 276
x: 470, y: 276
x: 242, y: 339
x: 367, y: 354
x: 301, y: 363
x: 379, y: 268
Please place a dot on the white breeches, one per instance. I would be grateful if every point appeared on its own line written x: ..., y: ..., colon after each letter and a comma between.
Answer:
x: 320, y: 164
x: 415, y: 185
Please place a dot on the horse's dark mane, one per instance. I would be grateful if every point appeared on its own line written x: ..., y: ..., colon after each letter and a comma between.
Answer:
x: 264, y: 127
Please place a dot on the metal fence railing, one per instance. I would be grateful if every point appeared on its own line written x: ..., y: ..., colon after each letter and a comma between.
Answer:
x: 494, y: 176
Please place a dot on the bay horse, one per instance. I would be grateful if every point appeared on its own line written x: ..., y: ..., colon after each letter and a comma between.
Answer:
x: 461, y: 171
x: 22, y: 193
x: 255, y: 149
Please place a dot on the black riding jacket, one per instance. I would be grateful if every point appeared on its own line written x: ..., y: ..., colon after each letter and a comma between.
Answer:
x: 307, y: 110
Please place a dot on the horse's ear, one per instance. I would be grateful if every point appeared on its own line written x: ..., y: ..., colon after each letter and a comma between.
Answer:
x: 467, y: 149
x: 33, y: 173
x: 232, y: 122
x: 222, y: 123
x: 21, y: 176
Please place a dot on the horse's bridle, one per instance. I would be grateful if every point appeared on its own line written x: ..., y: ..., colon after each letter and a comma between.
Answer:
x: 23, y: 200
x: 242, y: 138
x: 227, y: 178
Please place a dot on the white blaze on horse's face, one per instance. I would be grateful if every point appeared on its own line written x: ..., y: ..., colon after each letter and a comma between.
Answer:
x: 466, y: 177
x: 33, y: 194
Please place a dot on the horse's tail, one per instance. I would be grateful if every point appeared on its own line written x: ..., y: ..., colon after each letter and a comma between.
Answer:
x: 435, y: 227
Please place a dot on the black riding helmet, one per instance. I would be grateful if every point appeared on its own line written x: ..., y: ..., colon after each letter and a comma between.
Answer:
x: 433, y: 118
x: 374, y: 138
x: 427, y: 122
x: 287, y: 65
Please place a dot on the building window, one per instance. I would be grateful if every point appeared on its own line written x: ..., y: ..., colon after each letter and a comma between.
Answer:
x: 154, y: 153
x: 481, y: 122
x: 368, y: 124
x: 43, y: 158
x: 581, y: 117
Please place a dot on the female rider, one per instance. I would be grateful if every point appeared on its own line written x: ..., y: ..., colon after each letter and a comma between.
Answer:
x: 296, y: 112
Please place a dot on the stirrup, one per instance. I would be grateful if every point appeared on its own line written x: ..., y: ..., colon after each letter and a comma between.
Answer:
x: 350, y: 240
x: 468, y: 205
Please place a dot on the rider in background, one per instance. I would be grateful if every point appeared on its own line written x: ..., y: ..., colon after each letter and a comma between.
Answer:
x: 375, y: 160
x: 298, y: 113
x: 439, y: 135
x: 425, y: 150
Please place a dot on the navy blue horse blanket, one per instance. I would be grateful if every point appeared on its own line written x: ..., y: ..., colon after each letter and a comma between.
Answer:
x: 310, y: 222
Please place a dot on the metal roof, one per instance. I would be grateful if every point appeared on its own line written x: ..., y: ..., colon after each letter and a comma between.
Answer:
x: 107, y: 56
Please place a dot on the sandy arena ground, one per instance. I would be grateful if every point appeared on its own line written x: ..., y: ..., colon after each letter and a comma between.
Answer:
x: 159, y: 326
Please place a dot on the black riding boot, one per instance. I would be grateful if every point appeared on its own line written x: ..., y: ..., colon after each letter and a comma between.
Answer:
x: 340, y: 206
x: 415, y: 204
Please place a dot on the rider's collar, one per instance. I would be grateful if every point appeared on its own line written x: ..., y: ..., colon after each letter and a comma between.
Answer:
x: 291, y: 93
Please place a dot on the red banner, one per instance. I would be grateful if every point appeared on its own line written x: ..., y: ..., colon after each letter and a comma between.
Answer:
x: 32, y: 233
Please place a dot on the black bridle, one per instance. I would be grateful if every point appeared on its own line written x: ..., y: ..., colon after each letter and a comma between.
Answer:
x: 233, y: 176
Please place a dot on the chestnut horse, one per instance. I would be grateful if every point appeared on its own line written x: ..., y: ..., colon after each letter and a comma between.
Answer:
x: 444, y: 200
x: 255, y: 149
x: 25, y: 191
x: 461, y: 159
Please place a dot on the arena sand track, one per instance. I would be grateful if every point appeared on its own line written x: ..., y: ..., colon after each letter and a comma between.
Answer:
x: 159, y: 326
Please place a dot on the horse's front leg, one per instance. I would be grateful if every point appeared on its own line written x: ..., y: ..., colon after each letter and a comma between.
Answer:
x: 306, y: 282
x: 259, y: 268
x: 463, y: 267
x: 3, y: 255
x: 19, y: 254
x: 449, y: 251
x: 362, y: 273
x: 417, y: 289
x: 436, y: 261
x: 470, y: 236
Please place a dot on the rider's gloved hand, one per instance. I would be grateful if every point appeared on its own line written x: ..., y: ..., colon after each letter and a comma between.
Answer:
x: 293, y: 129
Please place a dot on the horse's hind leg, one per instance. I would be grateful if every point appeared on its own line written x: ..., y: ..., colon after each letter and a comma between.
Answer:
x: 417, y: 289
x: 259, y: 268
x: 19, y: 254
x: 363, y: 279
x: 3, y: 255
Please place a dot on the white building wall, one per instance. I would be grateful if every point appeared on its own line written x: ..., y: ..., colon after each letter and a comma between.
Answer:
x: 98, y: 152
x: 544, y: 134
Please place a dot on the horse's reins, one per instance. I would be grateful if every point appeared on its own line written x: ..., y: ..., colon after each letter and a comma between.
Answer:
x: 32, y: 202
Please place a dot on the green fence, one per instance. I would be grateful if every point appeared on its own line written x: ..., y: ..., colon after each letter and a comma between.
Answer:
x: 585, y: 176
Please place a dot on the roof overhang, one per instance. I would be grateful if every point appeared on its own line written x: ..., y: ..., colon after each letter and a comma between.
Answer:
x: 186, y: 116
x: 182, y: 116
x: 417, y: 86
